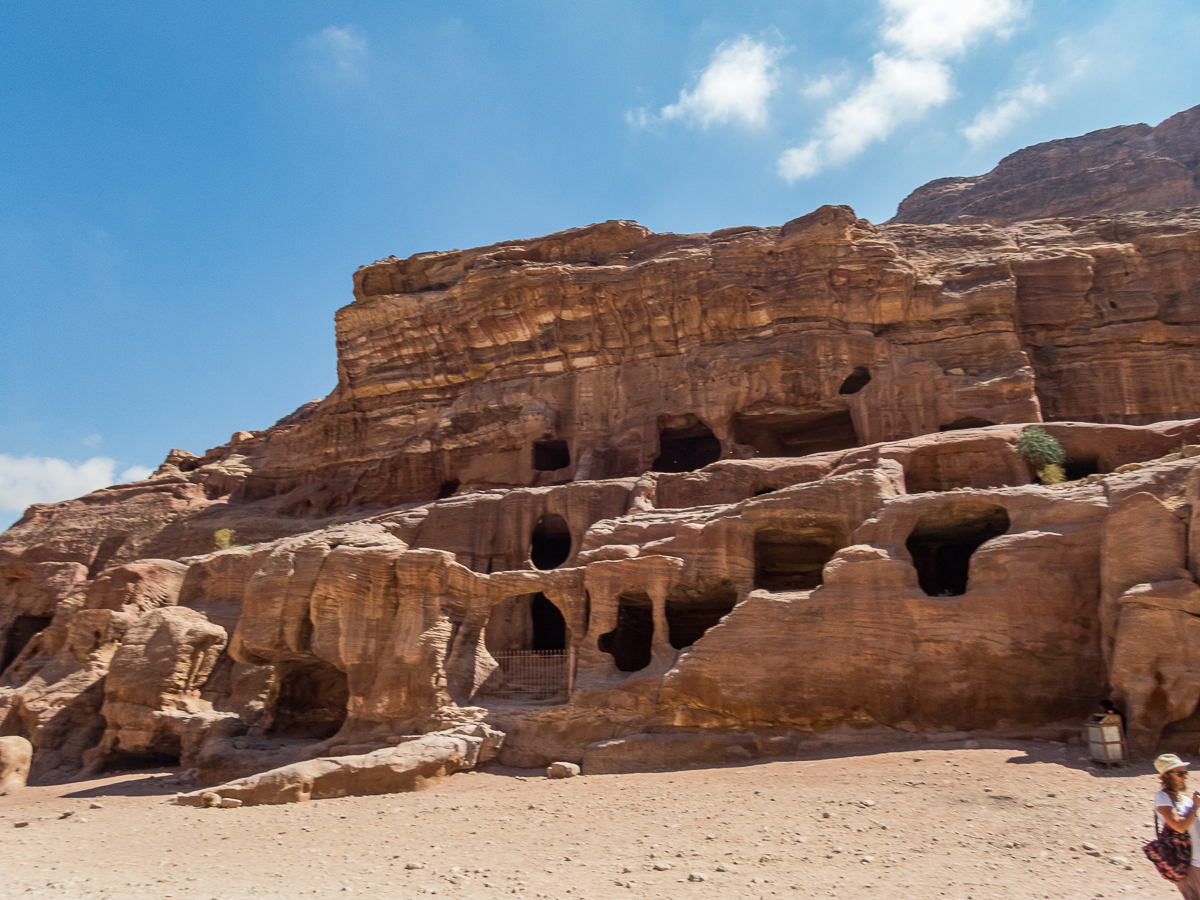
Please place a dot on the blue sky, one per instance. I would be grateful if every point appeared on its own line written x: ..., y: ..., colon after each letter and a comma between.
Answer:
x: 186, y: 189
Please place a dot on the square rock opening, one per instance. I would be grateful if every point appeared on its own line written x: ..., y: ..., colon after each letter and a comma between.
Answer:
x: 692, y: 610
x: 796, y: 434
x: 793, y: 558
x: 631, y: 643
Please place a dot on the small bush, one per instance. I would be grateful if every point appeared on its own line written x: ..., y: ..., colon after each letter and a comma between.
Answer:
x: 1039, y: 449
x: 1052, y: 474
x: 223, y: 538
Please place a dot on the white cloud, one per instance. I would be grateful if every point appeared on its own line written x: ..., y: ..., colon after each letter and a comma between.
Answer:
x: 819, y: 89
x: 136, y: 473
x: 938, y: 29
x: 1010, y: 108
x: 906, y: 80
x: 40, y: 479
x: 735, y: 86
x: 92, y: 440
x: 340, y: 52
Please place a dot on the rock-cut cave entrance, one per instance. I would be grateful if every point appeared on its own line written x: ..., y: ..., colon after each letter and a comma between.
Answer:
x: 793, y: 558
x: 20, y: 633
x: 631, y: 643
x: 796, y: 434
x: 691, y: 611
x: 941, y: 546
x: 686, y: 446
x: 311, y: 701
x: 528, y: 639
x: 550, y: 456
x: 550, y: 544
x: 525, y: 622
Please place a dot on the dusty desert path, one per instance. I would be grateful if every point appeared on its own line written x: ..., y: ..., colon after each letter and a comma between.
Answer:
x: 1008, y: 820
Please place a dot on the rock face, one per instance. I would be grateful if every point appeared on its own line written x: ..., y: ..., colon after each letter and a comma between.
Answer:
x: 408, y: 767
x: 1115, y: 170
x: 16, y: 754
x: 629, y: 498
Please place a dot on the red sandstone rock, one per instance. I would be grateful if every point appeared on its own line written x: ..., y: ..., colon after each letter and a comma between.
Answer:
x: 1115, y: 170
x: 609, y: 483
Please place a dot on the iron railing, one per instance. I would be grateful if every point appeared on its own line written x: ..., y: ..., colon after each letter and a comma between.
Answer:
x: 530, y: 675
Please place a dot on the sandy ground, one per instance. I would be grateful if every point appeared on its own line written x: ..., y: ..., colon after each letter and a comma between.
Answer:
x: 1007, y: 820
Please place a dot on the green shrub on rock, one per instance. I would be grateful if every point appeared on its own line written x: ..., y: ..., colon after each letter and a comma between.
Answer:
x: 1043, y: 454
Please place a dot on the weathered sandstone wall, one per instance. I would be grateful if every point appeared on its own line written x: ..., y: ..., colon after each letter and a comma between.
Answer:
x: 1114, y: 170
x: 610, y: 483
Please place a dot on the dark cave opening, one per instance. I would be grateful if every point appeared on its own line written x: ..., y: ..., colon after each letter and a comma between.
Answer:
x: 21, y: 632
x: 525, y: 622
x: 941, y: 547
x: 692, y: 611
x: 686, y: 448
x: 966, y: 422
x: 793, y: 559
x: 311, y: 702
x: 856, y: 380
x: 1077, y: 467
x: 631, y: 642
x: 550, y: 456
x: 550, y: 544
x: 549, y: 626
x: 126, y: 761
x: 797, y: 434
x: 448, y: 488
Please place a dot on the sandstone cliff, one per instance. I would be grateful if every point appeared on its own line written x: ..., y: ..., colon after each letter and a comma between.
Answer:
x: 610, y: 483
x: 1114, y: 170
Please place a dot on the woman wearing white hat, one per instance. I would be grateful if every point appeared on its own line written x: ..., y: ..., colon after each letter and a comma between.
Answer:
x: 1178, y: 812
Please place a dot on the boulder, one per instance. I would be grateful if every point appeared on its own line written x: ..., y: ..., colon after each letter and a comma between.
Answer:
x: 16, y: 756
x: 410, y: 766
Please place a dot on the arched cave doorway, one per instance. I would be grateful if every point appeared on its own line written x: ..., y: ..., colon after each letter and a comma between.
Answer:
x: 311, y: 702
x: 21, y: 632
x: 550, y: 544
x: 631, y: 642
x: 793, y: 557
x: 525, y: 622
x: 550, y: 456
x: 692, y: 610
x: 163, y: 753
x: 856, y: 380
x: 686, y: 447
x: 941, y: 545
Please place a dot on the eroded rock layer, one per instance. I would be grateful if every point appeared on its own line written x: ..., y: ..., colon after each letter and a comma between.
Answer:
x: 607, y: 484
x: 1114, y: 170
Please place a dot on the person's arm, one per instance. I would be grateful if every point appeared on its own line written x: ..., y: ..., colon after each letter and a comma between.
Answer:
x: 1175, y: 820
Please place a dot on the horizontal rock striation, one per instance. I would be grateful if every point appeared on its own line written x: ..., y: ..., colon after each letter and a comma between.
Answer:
x: 1114, y: 170
x: 604, y: 486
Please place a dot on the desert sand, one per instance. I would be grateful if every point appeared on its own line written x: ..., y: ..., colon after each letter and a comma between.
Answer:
x: 1005, y: 820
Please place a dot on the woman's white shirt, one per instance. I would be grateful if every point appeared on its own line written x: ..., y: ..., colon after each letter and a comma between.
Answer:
x: 1182, y: 807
